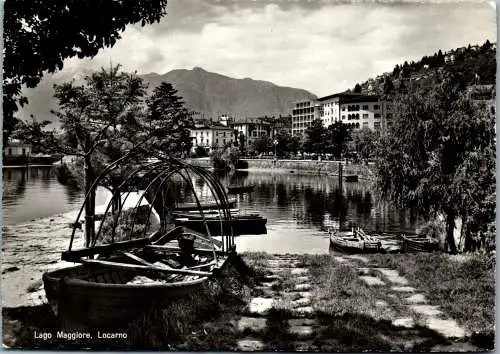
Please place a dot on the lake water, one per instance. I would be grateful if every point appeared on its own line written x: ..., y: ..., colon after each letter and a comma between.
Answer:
x: 299, y: 208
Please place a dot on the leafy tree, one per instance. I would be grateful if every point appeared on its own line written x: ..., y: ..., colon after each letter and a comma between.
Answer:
x: 262, y: 144
x: 396, y: 71
x: 168, y: 121
x: 315, y: 138
x: 388, y: 86
x: 287, y: 143
x: 200, y: 151
x: 336, y: 136
x: 242, y: 142
x: 40, y: 35
x: 439, y: 157
x: 365, y: 143
x: 33, y: 132
x: 357, y: 88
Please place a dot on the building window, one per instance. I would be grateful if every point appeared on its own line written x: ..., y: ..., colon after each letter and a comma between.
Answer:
x: 357, y: 125
x: 343, y: 109
x: 376, y: 107
x: 389, y: 115
x: 376, y: 125
x: 24, y: 151
x: 9, y: 151
x: 357, y: 117
x: 365, y: 115
x: 365, y: 124
x: 343, y: 117
x: 365, y: 107
x: 377, y: 115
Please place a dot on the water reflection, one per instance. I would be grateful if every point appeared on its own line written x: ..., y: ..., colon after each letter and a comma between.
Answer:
x: 299, y: 208
x: 34, y: 192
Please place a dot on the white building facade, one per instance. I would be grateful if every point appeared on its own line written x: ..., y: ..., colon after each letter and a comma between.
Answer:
x: 358, y: 110
x: 303, y: 113
x: 211, y: 137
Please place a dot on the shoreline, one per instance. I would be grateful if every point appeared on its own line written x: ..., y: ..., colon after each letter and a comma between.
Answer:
x: 286, y: 302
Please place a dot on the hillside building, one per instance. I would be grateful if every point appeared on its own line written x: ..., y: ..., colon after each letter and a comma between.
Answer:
x: 303, y: 114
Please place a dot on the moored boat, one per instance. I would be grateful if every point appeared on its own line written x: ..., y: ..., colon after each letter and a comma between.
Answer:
x: 231, y: 202
x: 234, y: 188
x: 243, y: 224
x: 354, y: 241
x: 351, y: 178
x: 416, y: 243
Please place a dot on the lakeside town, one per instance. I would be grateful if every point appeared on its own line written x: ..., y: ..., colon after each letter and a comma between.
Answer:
x: 139, y: 221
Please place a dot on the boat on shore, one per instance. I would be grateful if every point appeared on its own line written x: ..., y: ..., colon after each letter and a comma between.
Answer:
x: 416, y: 243
x: 122, y: 273
x: 114, y: 286
x: 354, y: 241
x: 236, y: 189
x: 242, y: 224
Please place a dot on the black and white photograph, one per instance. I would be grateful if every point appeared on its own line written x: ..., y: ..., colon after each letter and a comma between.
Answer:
x: 249, y: 175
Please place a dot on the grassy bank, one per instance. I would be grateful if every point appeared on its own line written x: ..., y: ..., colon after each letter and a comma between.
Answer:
x: 462, y: 285
x: 347, y: 314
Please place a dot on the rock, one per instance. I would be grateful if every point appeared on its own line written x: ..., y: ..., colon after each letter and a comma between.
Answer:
x: 255, y: 324
x: 416, y: 299
x: 297, y: 271
x: 406, y: 322
x: 393, y: 276
x: 260, y: 305
x: 403, y: 289
x: 447, y: 328
x: 10, y: 269
x: 302, y: 287
x: 427, y: 310
x: 250, y: 345
x: 369, y: 280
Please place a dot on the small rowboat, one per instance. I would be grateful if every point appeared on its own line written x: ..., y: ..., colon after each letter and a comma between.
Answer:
x: 129, y: 278
x: 231, y: 202
x: 415, y: 243
x: 235, y: 189
x: 354, y: 241
x: 243, y: 224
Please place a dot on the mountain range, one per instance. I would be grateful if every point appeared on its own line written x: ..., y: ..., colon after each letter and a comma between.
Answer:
x: 209, y: 94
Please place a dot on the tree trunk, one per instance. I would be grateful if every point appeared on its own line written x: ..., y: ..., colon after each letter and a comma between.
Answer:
x: 450, y: 227
x: 89, y: 203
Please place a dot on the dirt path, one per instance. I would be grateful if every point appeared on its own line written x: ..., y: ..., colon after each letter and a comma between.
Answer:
x: 284, y: 313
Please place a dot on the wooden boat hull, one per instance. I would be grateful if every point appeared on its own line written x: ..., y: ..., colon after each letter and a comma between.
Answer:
x: 417, y: 244
x: 205, y: 205
x: 351, y: 178
x: 240, y: 226
x: 239, y: 189
x: 348, y: 244
x: 96, y: 297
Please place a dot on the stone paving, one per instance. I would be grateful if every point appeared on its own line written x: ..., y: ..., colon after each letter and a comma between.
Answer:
x: 413, y: 308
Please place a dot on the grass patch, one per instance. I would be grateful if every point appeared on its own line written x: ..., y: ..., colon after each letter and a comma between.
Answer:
x: 464, y: 288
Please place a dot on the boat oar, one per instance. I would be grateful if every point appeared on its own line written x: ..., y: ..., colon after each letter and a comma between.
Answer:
x: 144, y: 267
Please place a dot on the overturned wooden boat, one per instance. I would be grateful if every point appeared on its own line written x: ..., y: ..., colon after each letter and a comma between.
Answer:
x: 235, y: 188
x: 243, y: 224
x: 416, y: 243
x: 121, y: 277
x: 354, y: 241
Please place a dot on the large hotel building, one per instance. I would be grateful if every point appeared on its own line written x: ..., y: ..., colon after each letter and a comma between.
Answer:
x: 358, y: 110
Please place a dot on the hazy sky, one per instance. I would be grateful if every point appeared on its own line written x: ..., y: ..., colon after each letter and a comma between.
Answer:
x: 321, y: 46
